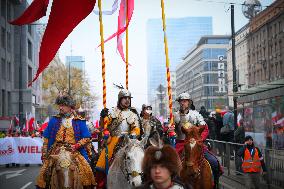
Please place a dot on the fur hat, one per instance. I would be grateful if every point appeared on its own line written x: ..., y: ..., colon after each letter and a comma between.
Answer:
x: 65, y: 100
x: 166, y: 156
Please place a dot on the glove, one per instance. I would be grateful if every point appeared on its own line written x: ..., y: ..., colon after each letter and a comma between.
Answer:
x: 132, y: 136
x: 104, y: 113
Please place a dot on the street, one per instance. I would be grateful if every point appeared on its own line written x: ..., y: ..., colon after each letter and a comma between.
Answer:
x: 18, y: 177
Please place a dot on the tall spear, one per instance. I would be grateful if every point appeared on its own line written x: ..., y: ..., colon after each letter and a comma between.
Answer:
x: 167, y: 65
x: 104, y: 82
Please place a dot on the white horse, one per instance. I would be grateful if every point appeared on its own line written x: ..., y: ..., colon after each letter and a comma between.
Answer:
x: 126, y: 169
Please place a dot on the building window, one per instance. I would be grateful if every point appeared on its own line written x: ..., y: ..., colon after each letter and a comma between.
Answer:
x: 30, y: 29
x: 30, y: 74
x: 3, y: 8
x: 3, y: 102
x: 30, y: 50
x: 9, y: 104
x: 3, y: 68
x: 3, y: 38
x: 8, y: 42
x: 9, y: 71
x: 9, y: 10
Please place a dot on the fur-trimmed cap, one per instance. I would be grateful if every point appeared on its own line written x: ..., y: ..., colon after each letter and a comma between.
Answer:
x: 166, y: 156
x: 65, y: 100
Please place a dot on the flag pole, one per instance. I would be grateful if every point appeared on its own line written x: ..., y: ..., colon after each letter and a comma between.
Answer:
x: 126, y: 49
x: 105, y: 133
x: 103, y: 57
x: 167, y: 64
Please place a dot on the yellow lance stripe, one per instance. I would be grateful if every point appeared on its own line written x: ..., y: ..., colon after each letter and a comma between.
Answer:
x: 103, y: 57
x: 167, y: 64
x: 126, y: 45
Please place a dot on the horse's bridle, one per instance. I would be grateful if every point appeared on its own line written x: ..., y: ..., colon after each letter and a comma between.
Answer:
x: 125, y: 171
x: 199, y: 163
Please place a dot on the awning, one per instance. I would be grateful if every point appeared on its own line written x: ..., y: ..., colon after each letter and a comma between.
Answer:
x: 261, y: 88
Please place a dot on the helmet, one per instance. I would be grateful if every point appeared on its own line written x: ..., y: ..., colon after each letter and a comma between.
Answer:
x: 124, y: 93
x: 145, y: 106
x: 183, y: 96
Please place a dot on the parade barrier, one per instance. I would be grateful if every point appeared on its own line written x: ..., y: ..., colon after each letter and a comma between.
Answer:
x: 20, y: 150
x: 274, y: 160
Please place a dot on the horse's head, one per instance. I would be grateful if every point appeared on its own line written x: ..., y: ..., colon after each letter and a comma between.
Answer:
x: 193, y: 150
x: 64, y: 166
x: 133, y: 154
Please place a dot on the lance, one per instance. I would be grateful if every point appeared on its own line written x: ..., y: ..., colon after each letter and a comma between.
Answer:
x: 126, y: 48
x: 171, y: 131
x: 104, y: 81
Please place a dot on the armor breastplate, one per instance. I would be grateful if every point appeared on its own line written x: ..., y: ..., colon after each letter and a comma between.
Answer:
x: 182, y: 120
x: 122, y: 120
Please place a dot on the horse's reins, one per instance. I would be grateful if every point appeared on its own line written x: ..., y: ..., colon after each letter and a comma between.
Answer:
x: 128, y: 174
x: 199, y: 163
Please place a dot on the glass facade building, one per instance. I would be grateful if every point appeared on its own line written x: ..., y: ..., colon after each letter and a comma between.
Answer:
x: 182, y: 34
x: 76, y: 62
x: 203, y: 73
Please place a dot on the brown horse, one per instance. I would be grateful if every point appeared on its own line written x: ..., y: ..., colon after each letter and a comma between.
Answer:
x: 65, y: 173
x: 196, y: 170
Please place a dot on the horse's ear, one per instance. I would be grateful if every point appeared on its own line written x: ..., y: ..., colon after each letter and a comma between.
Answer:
x: 184, y: 130
x: 201, y: 129
x: 143, y: 142
x: 73, y: 156
x: 156, y: 141
x: 126, y: 139
x: 55, y: 157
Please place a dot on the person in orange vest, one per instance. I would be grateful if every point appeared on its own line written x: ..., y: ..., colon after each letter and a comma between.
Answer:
x: 252, y: 163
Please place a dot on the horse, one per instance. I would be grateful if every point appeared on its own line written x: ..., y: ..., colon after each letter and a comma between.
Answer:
x: 65, y: 173
x: 125, y: 170
x: 196, y: 169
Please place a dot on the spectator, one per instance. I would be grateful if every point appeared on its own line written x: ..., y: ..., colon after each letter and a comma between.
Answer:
x: 239, y: 136
x: 252, y: 162
x: 162, y: 167
x: 209, y: 121
x: 228, y: 121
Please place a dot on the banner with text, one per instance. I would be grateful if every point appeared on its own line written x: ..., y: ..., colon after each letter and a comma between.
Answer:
x: 22, y: 150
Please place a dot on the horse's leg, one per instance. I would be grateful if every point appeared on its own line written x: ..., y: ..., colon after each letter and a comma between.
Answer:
x: 206, y: 177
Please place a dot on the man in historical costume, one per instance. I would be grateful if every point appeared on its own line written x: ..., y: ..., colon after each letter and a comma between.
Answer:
x: 149, y: 122
x: 186, y: 118
x: 66, y: 128
x: 161, y: 167
x: 120, y: 120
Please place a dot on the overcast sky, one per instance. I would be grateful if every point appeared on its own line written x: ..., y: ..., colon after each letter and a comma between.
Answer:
x: 85, y: 38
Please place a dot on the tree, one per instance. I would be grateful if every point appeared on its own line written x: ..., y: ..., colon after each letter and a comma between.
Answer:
x: 55, y: 79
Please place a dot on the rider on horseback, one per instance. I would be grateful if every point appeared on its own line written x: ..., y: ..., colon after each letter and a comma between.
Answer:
x: 150, y: 123
x: 186, y: 118
x: 66, y: 129
x: 120, y: 120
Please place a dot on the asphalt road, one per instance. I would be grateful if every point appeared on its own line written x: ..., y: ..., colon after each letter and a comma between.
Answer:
x: 18, y: 177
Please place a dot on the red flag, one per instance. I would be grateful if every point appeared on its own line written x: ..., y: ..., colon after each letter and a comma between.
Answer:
x: 31, y: 119
x: 17, y: 121
x: 34, y: 12
x: 122, y: 25
x: 44, y: 125
x: 64, y: 17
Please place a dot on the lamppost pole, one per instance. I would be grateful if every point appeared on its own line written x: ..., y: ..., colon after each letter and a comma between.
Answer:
x: 235, y: 87
x: 69, y: 78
